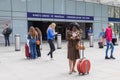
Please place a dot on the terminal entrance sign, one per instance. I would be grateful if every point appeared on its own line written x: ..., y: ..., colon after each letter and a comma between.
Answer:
x: 58, y: 16
x: 114, y: 19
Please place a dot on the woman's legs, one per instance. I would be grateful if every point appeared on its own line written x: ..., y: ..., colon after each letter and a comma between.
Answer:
x: 113, y: 41
x: 52, y: 48
x: 32, y: 44
x: 5, y: 40
x: 73, y: 69
x: 70, y: 66
x: 38, y: 51
x: 31, y: 50
x: 103, y: 41
x: 34, y: 51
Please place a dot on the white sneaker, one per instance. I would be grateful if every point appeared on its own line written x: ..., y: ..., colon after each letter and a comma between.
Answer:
x: 52, y: 59
x: 47, y: 58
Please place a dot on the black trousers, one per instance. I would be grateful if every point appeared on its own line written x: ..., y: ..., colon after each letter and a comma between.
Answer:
x: 52, y: 48
x: 114, y: 41
x: 7, y: 42
x: 38, y: 50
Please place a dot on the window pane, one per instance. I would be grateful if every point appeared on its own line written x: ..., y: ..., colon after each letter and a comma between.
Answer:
x: 116, y: 12
x: 5, y: 5
x: 5, y: 14
x: 47, y: 6
x: 111, y: 11
x: 19, y: 5
x: 19, y: 14
x: 105, y: 11
x: 70, y: 7
x: 34, y: 5
x: 80, y: 8
x: 59, y: 6
x: 89, y: 9
x: 20, y: 27
x: 97, y: 9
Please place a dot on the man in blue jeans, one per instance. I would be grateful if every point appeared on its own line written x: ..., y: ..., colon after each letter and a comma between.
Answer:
x: 109, y: 41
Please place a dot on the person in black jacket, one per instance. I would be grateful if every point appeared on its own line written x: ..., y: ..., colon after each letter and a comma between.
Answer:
x: 38, y: 38
x: 6, y: 32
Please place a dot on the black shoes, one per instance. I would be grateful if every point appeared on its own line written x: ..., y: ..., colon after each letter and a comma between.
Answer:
x: 107, y: 57
x: 111, y: 57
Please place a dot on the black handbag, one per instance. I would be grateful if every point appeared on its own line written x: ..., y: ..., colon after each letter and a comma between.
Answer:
x: 4, y: 32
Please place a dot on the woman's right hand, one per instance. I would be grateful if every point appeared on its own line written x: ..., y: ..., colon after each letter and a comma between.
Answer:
x: 73, y: 38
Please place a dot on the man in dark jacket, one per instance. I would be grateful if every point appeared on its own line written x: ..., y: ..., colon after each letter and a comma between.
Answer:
x: 6, y: 32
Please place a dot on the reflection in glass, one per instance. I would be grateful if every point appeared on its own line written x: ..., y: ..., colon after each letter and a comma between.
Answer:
x: 117, y: 12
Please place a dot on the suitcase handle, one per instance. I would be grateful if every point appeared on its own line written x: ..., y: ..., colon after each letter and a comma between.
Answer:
x: 81, y: 51
x: 87, y: 71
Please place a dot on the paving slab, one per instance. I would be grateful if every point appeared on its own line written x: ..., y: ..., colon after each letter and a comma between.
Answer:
x: 14, y: 65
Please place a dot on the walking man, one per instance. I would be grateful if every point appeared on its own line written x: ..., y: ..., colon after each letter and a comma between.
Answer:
x: 109, y: 41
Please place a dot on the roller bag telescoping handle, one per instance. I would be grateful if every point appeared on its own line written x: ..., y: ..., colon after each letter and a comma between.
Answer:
x: 83, y: 65
x: 81, y: 52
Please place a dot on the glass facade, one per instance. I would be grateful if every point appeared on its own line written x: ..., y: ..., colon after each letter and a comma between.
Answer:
x: 111, y: 11
x: 5, y: 5
x: 37, y: 5
x: 114, y: 13
x: 19, y: 5
x: 15, y: 13
x: 59, y: 6
x: 117, y: 12
x: 47, y: 6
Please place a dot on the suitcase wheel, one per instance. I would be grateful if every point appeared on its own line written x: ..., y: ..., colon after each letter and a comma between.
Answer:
x: 83, y: 73
x: 28, y: 57
x: 87, y: 72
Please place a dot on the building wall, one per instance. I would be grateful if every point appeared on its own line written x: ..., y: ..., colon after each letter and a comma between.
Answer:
x: 16, y: 13
x: 100, y: 18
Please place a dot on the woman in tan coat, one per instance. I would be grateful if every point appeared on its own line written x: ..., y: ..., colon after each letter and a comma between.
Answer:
x: 73, y: 37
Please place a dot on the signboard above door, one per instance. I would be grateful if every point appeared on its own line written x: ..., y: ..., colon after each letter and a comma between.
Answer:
x: 59, y: 16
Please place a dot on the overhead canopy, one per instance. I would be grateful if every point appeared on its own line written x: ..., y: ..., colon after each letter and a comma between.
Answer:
x: 106, y: 2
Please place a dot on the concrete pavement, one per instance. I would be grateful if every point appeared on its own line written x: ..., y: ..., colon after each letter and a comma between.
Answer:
x: 14, y: 65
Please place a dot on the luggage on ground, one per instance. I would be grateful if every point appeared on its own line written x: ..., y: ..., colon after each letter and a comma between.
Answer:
x: 83, y: 65
x: 27, y: 52
x: 100, y: 44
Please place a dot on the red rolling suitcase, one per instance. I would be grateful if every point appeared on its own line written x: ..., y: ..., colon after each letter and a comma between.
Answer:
x: 83, y: 65
x: 27, y: 52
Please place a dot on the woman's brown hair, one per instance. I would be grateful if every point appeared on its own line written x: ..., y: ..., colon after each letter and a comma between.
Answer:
x: 32, y: 32
x: 38, y: 31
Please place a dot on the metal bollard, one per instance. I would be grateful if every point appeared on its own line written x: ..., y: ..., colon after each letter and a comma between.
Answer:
x: 91, y: 38
x: 17, y: 42
x: 59, y: 41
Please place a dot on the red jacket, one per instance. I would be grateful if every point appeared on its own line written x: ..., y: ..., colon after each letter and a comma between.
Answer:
x: 109, y: 34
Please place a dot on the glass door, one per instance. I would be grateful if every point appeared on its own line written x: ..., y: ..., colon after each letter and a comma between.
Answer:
x: 116, y: 28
